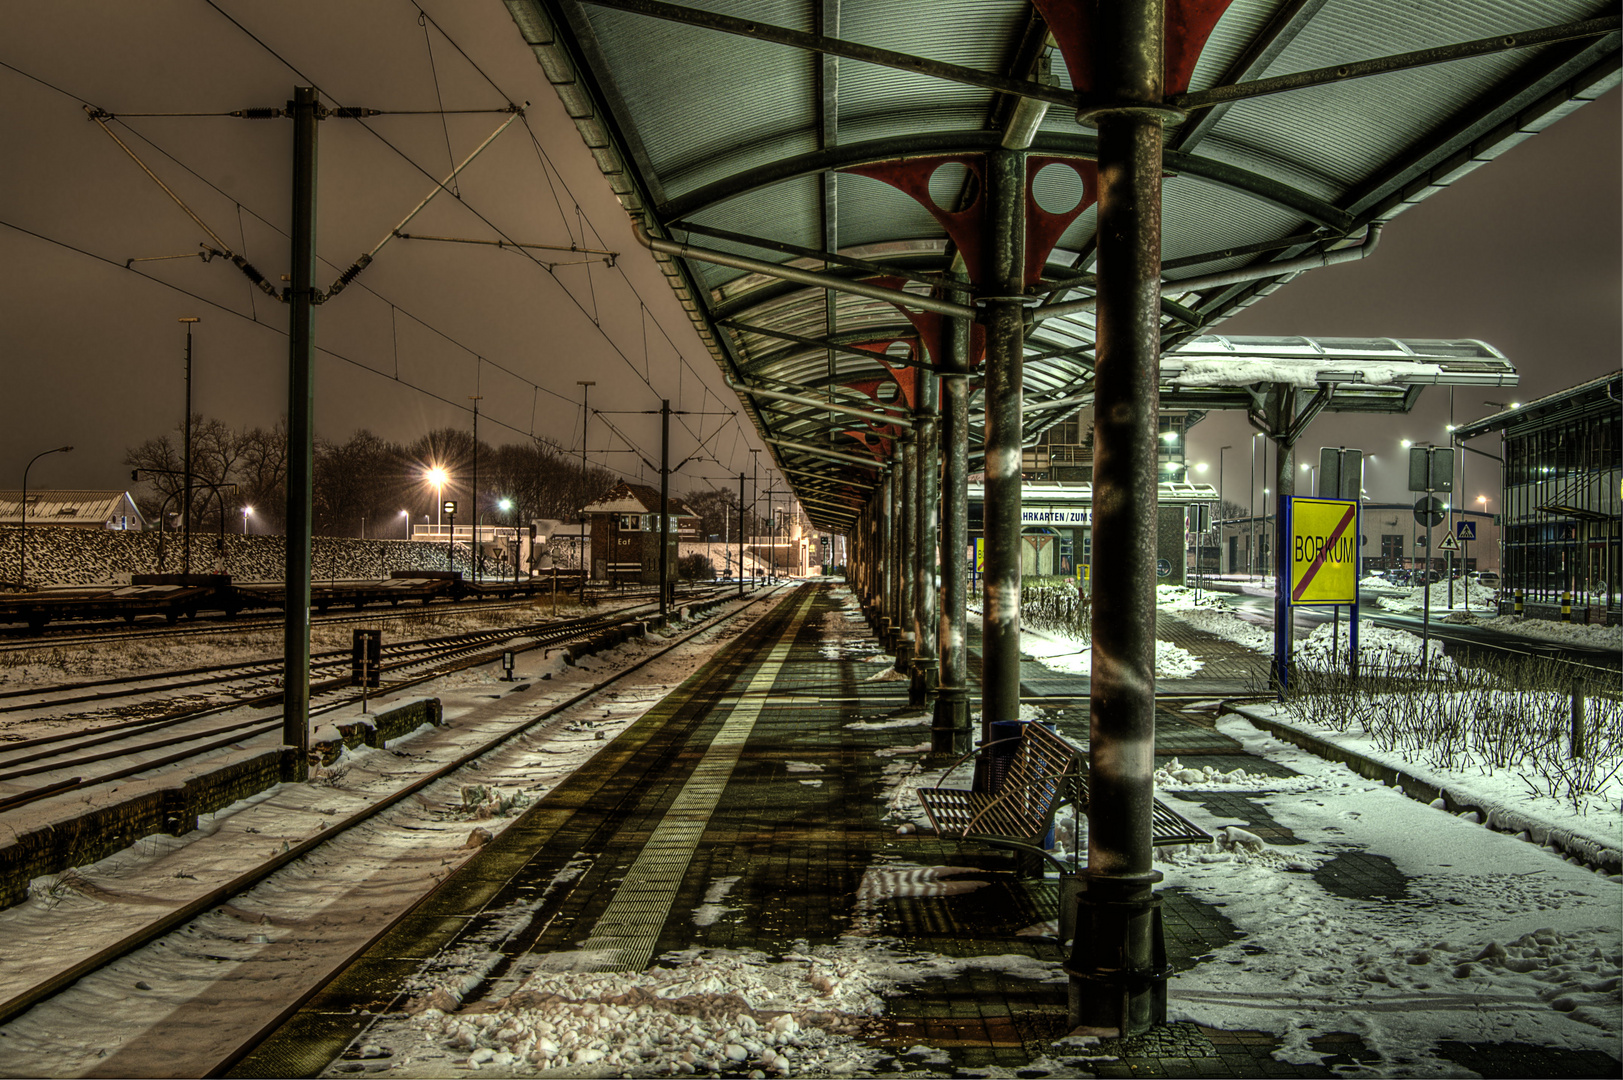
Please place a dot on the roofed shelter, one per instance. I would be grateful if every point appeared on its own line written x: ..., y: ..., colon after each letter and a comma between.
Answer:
x: 873, y: 211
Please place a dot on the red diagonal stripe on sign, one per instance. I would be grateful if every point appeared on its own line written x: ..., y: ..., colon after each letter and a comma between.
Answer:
x: 1318, y: 560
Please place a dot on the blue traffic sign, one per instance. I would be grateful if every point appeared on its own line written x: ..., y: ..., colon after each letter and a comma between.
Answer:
x: 1465, y: 530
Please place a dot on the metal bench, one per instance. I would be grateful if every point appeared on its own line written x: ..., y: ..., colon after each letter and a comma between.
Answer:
x: 1047, y: 771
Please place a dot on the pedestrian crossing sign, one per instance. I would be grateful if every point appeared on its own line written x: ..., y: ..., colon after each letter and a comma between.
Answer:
x: 1465, y: 530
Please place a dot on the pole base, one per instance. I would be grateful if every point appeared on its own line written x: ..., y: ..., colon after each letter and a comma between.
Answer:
x: 1118, y: 965
x: 904, y: 653
x: 922, y: 685
x: 949, y: 728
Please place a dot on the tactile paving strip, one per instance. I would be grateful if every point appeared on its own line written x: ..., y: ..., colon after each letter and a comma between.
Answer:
x: 624, y: 936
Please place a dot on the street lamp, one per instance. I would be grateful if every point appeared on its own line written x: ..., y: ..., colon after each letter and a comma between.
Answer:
x: 22, y: 517
x: 405, y: 519
x: 246, y: 510
x: 506, y: 507
x: 437, y: 476
x: 1220, y: 509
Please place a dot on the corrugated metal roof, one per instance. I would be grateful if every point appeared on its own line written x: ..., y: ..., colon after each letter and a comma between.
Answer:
x: 745, y: 133
x: 69, y: 507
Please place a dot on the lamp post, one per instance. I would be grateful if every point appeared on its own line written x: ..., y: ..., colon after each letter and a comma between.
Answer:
x: 506, y: 507
x: 405, y: 519
x: 437, y: 477
x: 755, y: 498
x: 246, y: 510
x: 1251, y: 511
x: 1220, y: 509
x: 22, y: 517
x: 186, y: 433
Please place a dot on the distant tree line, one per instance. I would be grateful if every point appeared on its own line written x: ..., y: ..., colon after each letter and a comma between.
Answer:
x: 363, y: 484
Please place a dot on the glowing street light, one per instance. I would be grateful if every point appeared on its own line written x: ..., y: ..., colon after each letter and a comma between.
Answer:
x: 438, y: 477
x: 246, y: 510
x: 405, y: 519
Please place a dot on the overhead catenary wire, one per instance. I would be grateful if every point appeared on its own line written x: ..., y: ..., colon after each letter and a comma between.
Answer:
x: 583, y: 223
x: 200, y: 298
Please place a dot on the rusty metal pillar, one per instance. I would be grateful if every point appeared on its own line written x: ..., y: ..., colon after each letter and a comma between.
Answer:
x: 927, y: 464
x: 949, y: 729
x: 906, y: 554
x: 1002, y: 297
x: 887, y: 564
x: 1117, y: 967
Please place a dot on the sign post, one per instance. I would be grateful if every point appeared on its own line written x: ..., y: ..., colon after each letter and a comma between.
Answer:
x: 1323, y: 567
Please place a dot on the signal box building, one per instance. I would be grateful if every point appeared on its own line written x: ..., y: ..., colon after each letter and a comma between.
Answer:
x: 624, y: 524
x: 1560, y: 501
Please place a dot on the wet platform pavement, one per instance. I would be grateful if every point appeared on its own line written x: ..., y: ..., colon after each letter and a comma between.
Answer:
x: 757, y: 809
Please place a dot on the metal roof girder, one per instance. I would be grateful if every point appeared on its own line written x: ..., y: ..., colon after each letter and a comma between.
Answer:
x: 1047, y: 143
x: 1462, y: 50
x: 802, y: 277
x: 817, y: 404
x: 1554, y: 84
x: 850, y: 50
x: 819, y: 344
x: 818, y: 451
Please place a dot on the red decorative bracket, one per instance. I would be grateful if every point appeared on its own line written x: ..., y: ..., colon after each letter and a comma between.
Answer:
x: 1189, y: 23
x: 966, y: 227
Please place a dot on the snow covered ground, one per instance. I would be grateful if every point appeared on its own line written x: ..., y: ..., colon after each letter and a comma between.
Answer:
x: 1487, y: 939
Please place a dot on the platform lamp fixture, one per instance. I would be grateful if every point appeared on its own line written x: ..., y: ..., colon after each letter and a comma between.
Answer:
x: 436, y: 475
x: 22, y: 516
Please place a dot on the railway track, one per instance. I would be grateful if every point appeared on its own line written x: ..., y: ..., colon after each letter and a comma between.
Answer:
x: 173, y: 733
x: 20, y: 639
x: 21, y: 991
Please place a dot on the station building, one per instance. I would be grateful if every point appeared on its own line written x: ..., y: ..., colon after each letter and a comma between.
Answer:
x: 1560, y: 499
x: 1056, y: 527
x: 74, y: 509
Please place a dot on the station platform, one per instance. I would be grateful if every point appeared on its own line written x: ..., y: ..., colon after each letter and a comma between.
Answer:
x: 747, y: 851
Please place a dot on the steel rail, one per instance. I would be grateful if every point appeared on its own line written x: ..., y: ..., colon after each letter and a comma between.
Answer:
x: 180, y: 916
x: 274, y: 1023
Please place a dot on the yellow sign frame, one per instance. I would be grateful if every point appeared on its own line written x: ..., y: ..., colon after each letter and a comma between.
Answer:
x: 1324, y: 539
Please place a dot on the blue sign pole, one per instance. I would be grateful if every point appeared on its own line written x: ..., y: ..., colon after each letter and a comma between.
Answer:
x: 1352, y: 628
x: 1282, y: 605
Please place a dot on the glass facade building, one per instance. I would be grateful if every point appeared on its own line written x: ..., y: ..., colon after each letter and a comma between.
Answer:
x: 1561, y: 501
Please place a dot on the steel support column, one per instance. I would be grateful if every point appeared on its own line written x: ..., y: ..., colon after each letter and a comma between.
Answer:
x: 1003, y: 286
x: 301, y: 401
x: 907, y: 555
x: 927, y: 465
x: 949, y: 729
x: 887, y: 563
x: 1117, y: 967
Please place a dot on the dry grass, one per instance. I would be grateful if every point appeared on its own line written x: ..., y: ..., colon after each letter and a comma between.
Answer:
x: 1505, y: 714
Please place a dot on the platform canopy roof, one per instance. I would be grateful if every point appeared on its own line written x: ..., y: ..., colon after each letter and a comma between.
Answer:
x: 790, y: 133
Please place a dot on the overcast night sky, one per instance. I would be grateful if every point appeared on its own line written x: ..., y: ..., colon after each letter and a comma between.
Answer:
x: 1523, y: 253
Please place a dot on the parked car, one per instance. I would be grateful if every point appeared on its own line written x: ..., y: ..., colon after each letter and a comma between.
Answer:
x: 1488, y: 579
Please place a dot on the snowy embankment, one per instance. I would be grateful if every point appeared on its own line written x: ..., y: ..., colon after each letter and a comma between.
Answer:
x: 59, y: 556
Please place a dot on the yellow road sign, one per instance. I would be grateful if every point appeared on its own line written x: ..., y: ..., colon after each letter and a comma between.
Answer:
x: 1324, y: 551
